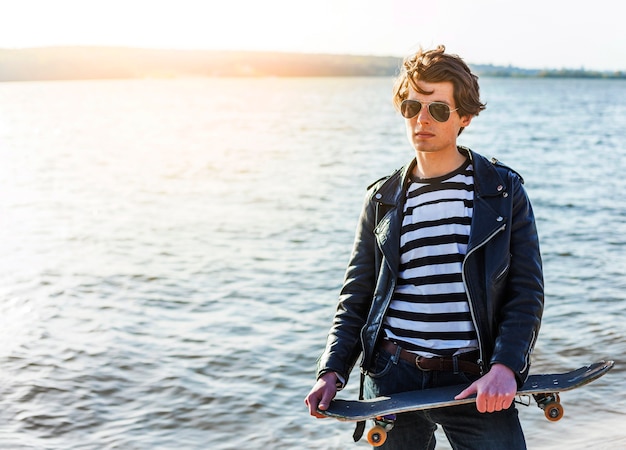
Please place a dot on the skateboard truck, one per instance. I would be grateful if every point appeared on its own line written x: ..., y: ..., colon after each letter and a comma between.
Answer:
x: 377, y: 435
x: 551, y: 405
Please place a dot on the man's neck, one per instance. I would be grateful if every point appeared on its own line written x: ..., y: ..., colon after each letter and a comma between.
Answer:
x: 437, y: 164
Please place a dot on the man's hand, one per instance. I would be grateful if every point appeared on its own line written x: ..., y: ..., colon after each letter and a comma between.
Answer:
x: 495, y: 391
x: 322, y: 393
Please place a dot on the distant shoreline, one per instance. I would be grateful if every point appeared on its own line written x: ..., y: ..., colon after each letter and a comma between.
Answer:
x: 83, y: 63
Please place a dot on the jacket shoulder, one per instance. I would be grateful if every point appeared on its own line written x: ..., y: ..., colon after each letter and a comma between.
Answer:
x: 382, y: 180
x: 505, y: 170
x: 377, y: 182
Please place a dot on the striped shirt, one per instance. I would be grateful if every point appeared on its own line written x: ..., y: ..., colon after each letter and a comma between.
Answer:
x: 429, y: 312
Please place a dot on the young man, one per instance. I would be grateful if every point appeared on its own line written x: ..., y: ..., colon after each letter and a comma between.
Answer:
x: 444, y: 285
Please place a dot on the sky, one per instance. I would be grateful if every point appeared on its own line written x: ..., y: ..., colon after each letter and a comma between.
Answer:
x: 531, y: 34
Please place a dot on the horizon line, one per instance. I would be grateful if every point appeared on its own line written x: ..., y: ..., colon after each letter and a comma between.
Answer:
x: 285, y: 52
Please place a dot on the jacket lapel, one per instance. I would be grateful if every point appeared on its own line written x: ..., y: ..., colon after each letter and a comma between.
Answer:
x: 390, y: 199
x: 489, y: 189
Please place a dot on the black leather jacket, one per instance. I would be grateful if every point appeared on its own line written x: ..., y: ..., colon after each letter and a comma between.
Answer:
x: 502, y: 272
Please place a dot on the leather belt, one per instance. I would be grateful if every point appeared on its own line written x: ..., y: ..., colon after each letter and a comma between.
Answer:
x: 465, y: 362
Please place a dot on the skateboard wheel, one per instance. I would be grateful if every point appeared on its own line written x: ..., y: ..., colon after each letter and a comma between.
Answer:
x: 376, y: 436
x: 553, y: 411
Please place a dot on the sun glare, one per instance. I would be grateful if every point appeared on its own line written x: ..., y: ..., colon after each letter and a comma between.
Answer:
x: 274, y: 25
x: 393, y: 28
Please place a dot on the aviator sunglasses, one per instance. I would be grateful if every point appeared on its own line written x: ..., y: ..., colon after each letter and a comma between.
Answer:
x: 438, y: 110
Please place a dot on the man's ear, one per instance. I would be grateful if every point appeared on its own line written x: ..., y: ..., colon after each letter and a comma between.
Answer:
x: 465, y: 120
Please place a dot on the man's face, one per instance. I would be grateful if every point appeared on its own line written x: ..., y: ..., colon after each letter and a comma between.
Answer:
x: 424, y: 132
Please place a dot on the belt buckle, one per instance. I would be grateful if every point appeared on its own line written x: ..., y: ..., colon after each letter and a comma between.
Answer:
x: 417, y: 363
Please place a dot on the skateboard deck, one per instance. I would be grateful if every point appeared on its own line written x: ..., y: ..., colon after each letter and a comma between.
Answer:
x: 543, y: 387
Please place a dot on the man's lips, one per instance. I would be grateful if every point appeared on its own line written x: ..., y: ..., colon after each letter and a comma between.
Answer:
x: 423, y: 134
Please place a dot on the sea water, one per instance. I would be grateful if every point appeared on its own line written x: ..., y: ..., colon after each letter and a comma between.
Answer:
x: 171, y: 252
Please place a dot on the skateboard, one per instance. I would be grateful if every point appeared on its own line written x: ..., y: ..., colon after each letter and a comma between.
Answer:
x: 544, y: 388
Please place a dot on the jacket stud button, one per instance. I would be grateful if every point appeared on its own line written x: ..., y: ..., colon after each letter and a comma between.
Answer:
x: 378, y: 196
x: 500, y: 187
x: 505, y: 194
x: 500, y: 219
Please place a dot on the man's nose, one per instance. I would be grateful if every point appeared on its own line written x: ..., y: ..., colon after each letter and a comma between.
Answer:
x: 423, y: 115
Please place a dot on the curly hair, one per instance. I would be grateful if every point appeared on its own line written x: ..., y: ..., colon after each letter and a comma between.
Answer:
x: 434, y: 66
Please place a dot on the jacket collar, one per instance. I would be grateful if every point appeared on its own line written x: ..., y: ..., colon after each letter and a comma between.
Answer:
x: 391, y: 191
x: 487, y: 180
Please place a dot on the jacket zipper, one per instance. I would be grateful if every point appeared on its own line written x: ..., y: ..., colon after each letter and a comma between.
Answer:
x: 481, y: 363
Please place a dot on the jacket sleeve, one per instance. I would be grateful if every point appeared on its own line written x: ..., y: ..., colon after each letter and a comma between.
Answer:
x: 519, y: 316
x: 343, y: 346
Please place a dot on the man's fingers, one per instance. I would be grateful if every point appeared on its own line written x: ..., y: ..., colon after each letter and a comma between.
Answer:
x: 466, y: 392
x: 325, y: 401
x: 311, y: 402
x: 495, y: 391
x: 486, y: 401
x: 490, y: 402
x: 321, y: 395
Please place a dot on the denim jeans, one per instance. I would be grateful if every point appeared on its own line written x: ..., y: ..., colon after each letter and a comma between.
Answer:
x: 464, y: 426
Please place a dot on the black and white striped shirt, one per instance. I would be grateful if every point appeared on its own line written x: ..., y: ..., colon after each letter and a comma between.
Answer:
x: 429, y: 312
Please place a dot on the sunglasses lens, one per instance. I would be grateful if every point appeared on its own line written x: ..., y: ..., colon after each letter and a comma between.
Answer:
x: 439, y: 111
x: 410, y: 108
